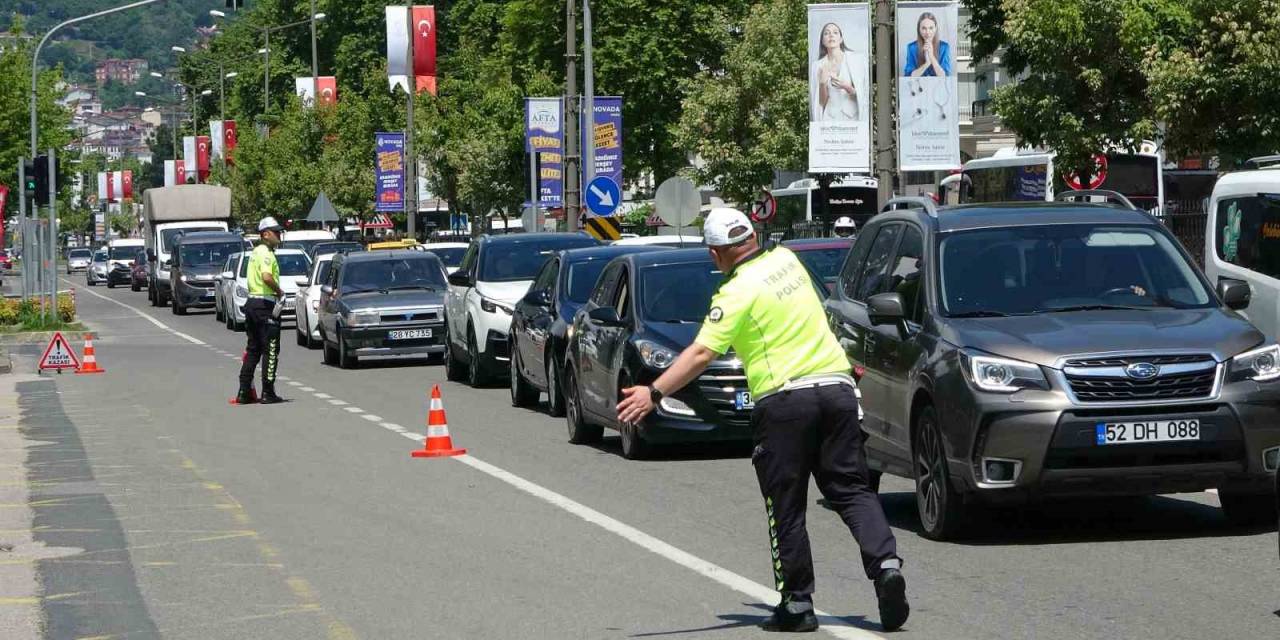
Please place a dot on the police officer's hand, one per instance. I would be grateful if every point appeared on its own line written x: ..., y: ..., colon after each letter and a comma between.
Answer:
x: 635, y: 405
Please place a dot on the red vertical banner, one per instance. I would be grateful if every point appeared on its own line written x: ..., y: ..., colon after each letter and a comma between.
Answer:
x: 4, y: 199
x: 180, y: 171
x: 229, y: 144
x: 328, y: 86
x: 127, y: 182
x: 202, y: 157
x: 111, y: 187
x: 424, y: 41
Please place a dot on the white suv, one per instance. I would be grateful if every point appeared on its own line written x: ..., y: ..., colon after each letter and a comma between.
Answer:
x: 495, y: 274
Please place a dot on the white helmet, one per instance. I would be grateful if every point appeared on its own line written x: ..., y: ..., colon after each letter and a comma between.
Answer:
x: 269, y: 224
x: 844, y: 226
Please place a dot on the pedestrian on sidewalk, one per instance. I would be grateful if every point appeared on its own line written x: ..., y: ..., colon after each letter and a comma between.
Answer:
x: 805, y: 421
x: 262, y: 315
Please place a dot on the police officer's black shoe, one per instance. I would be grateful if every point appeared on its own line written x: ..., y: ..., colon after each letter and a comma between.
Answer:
x: 269, y: 396
x: 245, y: 396
x: 791, y: 617
x: 891, y: 592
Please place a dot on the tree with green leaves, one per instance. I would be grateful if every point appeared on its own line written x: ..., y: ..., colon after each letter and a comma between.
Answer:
x: 751, y: 118
x: 15, y: 114
x: 1218, y: 90
x: 1082, y: 87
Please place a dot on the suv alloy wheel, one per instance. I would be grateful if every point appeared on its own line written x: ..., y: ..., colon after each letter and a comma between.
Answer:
x: 940, y: 507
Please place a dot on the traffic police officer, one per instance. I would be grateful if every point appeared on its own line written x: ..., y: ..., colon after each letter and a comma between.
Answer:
x: 805, y: 420
x: 262, y: 316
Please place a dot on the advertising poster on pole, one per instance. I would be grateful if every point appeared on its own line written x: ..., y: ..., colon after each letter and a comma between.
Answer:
x: 389, y: 172
x: 608, y: 138
x: 928, y: 90
x: 838, y: 47
x: 544, y: 135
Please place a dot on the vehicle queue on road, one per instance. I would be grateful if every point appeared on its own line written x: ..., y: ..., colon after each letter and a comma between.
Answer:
x: 1005, y: 352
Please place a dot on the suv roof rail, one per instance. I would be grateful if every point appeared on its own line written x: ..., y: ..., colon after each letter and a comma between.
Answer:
x: 1262, y: 162
x: 911, y: 202
x: 1111, y: 196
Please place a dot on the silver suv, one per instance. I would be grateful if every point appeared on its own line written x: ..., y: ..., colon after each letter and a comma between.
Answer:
x: 1013, y: 352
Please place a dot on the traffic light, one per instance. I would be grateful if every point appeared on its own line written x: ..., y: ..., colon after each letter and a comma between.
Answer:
x: 29, y: 174
x: 45, y: 171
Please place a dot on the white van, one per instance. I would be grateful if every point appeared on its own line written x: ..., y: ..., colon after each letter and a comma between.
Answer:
x: 1242, y: 240
x: 304, y: 239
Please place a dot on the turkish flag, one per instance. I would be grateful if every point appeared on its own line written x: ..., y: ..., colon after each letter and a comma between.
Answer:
x: 180, y: 170
x: 229, y: 144
x: 202, y: 157
x: 127, y: 183
x: 112, y: 191
x: 4, y: 198
x: 328, y: 86
x: 424, y: 41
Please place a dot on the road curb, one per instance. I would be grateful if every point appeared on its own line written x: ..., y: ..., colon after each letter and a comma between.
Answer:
x: 39, y: 337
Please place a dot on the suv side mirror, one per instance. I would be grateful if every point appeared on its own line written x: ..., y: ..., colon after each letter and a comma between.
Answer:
x: 460, y: 279
x: 1236, y: 294
x: 605, y: 316
x: 303, y: 282
x: 541, y: 298
x: 327, y: 290
x: 227, y: 275
x: 885, y: 308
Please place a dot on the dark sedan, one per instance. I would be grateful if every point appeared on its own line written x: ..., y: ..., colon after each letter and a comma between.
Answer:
x: 823, y: 257
x: 644, y: 310
x: 541, y: 321
x: 138, y: 271
x: 382, y: 303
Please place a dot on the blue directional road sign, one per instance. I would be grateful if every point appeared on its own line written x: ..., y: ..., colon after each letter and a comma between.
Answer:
x: 603, y: 196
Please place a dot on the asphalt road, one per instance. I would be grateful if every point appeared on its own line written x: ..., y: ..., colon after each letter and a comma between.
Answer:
x: 310, y: 520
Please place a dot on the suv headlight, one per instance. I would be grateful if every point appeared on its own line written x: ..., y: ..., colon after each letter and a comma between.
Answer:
x: 655, y: 355
x: 241, y: 292
x: 1001, y: 375
x: 1261, y: 364
x: 492, y: 306
x: 359, y: 318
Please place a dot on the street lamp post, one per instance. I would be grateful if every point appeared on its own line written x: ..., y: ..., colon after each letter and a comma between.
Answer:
x: 266, y: 45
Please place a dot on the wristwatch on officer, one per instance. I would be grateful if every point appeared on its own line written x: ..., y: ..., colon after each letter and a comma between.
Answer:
x: 655, y: 394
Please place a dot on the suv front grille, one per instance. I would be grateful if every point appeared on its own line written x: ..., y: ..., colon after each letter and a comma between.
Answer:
x: 1186, y: 377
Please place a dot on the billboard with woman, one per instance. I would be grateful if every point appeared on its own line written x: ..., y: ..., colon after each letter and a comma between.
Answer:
x: 839, y: 88
x: 928, y: 90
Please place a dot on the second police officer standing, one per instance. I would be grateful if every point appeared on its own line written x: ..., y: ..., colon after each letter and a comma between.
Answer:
x: 262, y: 316
x: 805, y: 421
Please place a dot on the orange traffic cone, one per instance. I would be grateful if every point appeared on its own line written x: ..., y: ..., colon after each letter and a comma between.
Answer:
x: 90, y: 363
x: 438, y: 442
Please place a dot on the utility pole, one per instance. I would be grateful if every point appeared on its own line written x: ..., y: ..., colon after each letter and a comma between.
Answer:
x: 885, y: 78
x: 27, y: 254
x: 315, y: 64
x: 52, y: 172
x: 410, y: 160
x: 266, y: 74
x: 571, y: 166
x: 589, y: 91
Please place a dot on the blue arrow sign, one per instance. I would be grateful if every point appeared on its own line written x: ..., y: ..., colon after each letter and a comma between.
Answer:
x: 603, y: 196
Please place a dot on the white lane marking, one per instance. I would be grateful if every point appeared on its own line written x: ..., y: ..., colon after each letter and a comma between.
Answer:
x: 372, y: 418
x: 295, y: 383
x: 138, y: 311
x: 354, y: 410
x: 307, y: 389
x: 337, y: 403
x: 391, y: 426
x: 832, y: 625
x: 322, y: 396
x: 283, y: 378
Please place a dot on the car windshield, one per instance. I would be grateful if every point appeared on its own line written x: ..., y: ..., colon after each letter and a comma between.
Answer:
x: 678, y: 292
x: 825, y: 263
x: 322, y: 271
x: 1063, y: 268
x: 397, y: 273
x: 169, y: 236
x: 123, y: 253
x: 293, y: 264
x: 302, y: 245
x: 333, y: 247
x: 583, y: 277
x: 79, y: 253
x: 520, y: 259
x: 206, y: 253
x: 450, y: 257
x: 100, y: 256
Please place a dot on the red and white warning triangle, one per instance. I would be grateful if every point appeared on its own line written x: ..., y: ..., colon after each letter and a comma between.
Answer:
x: 58, y: 355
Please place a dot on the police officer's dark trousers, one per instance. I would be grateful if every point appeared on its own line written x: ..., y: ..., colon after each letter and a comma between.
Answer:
x: 815, y: 431
x: 263, y: 333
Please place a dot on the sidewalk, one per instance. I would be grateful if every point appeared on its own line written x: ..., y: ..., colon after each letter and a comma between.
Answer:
x: 19, y: 589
